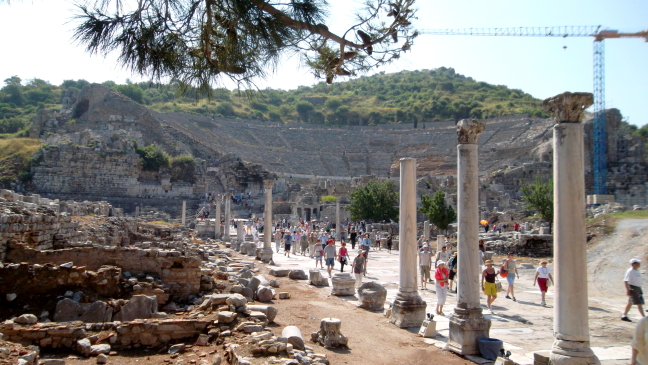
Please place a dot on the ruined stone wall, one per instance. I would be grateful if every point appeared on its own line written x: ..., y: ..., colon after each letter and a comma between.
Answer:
x: 83, y: 170
x: 26, y: 280
x: 136, y: 333
x: 180, y: 273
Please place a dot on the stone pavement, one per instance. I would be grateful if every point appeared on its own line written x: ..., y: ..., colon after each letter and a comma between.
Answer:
x: 525, y: 326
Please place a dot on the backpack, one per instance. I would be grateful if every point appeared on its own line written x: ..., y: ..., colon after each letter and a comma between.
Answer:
x: 503, y: 271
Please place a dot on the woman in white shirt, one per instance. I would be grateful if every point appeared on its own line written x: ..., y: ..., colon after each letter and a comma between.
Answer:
x: 542, y: 275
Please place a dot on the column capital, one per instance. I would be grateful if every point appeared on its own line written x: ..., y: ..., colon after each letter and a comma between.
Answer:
x: 268, y: 184
x: 468, y: 130
x: 568, y: 107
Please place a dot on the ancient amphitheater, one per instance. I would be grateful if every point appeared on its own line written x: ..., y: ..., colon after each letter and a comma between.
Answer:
x: 306, y: 150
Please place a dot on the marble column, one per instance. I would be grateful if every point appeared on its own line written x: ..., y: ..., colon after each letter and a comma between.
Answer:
x: 571, y: 327
x: 217, y: 229
x: 467, y: 323
x: 137, y: 213
x: 266, y: 252
x: 440, y: 242
x: 408, y: 309
x: 184, y: 212
x: 426, y: 230
x: 228, y: 218
x: 337, y: 219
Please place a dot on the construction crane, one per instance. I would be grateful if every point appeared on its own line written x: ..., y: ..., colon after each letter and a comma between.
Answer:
x: 599, y: 35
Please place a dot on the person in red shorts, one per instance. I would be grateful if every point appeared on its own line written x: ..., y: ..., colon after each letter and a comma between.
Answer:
x: 542, y: 275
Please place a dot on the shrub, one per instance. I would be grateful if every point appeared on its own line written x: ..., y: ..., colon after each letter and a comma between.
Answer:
x: 153, y: 158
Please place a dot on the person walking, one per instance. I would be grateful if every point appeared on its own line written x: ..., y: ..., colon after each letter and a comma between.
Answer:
x: 441, y: 275
x: 640, y: 343
x: 358, y: 267
x: 319, y: 252
x: 390, y: 242
x: 510, y: 266
x: 277, y: 237
x: 378, y: 238
x: 343, y: 256
x: 452, y: 271
x: 489, y: 288
x: 312, y: 240
x: 425, y: 262
x: 543, y: 274
x: 330, y: 253
x: 303, y: 243
x: 441, y: 255
x: 353, y: 236
x: 633, y: 283
x: 287, y: 243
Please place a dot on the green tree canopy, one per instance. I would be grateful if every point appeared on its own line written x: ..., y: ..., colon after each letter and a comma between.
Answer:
x: 197, y: 42
x: 376, y: 201
x: 538, y: 196
x: 435, y: 208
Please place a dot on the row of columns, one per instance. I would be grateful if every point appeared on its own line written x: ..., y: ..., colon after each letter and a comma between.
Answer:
x: 467, y: 323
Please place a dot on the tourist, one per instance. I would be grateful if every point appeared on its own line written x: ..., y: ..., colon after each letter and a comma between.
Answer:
x: 489, y: 288
x: 425, y: 262
x: 330, y: 253
x: 277, y: 237
x: 296, y: 240
x: 378, y: 237
x: 319, y: 252
x: 359, y: 266
x: 452, y: 271
x: 343, y: 256
x: 633, y: 283
x: 482, y: 246
x: 353, y: 237
x: 288, y: 239
x: 509, y: 265
x: 542, y: 275
x: 441, y: 275
x: 367, y: 244
x: 304, y: 243
x: 312, y: 240
x: 390, y: 242
x: 516, y: 227
x: 640, y: 343
x: 441, y: 255
x: 449, y: 248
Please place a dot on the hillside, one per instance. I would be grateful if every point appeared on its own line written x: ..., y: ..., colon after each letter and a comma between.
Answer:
x: 403, y: 97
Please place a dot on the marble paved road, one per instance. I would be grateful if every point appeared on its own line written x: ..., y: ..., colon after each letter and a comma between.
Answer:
x: 525, y: 326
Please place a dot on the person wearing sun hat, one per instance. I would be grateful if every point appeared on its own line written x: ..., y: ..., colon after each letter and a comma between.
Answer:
x: 633, y: 283
x: 489, y: 288
x: 543, y: 274
x: 441, y: 275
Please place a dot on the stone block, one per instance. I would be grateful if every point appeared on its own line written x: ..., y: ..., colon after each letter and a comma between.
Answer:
x: 297, y: 275
x: 138, y: 307
x: 316, y: 278
x: 343, y: 284
x: 372, y: 296
x: 265, y: 294
x: 279, y: 272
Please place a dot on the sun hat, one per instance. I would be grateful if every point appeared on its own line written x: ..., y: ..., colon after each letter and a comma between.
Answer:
x: 543, y: 262
x: 635, y: 261
x: 426, y: 246
x: 489, y: 262
x: 440, y: 262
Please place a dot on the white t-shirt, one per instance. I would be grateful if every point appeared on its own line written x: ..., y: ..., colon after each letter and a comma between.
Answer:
x: 633, y: 277
x: 543, y: 272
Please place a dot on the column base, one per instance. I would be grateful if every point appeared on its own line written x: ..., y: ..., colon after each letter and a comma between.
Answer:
x: 565, y: 352
x: 466, y: 326
x: 408, y: 311
x: 265, y: 255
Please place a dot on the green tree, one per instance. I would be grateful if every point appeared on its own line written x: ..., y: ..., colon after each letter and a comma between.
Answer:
x: 154, y: 158
x: 375, y: 201
x: 435, y: 208
x: 538, y: 196
x: 198, y: 42
x: 304, y: 108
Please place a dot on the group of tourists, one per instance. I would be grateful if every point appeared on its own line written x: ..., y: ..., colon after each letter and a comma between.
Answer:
x: 445, y: 266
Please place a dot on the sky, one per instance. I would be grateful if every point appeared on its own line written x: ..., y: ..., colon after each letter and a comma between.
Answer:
x: 36, y: 42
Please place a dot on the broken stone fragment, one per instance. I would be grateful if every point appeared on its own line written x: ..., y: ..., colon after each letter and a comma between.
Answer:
x: 294, y: 336
x: 265, y: 294
x: 10, y: 297
x: 297, y: 275
x: 179, y: 348
x: 279, y: 272
x: 26, y: 319
x: 372, y: 296
x: 226, y: 317
x: 270, y: 311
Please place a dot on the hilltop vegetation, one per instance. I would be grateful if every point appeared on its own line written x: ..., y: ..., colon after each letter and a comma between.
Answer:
x: 403, y: 97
